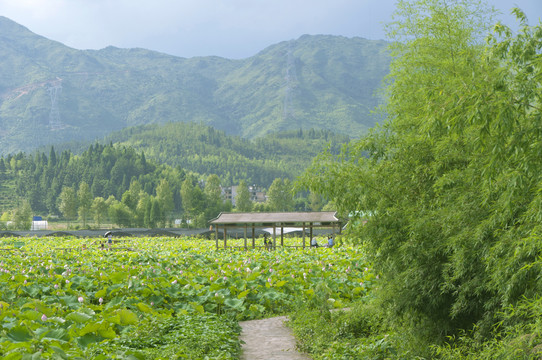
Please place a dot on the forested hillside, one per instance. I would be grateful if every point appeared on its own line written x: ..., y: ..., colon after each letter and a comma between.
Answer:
x: 106, y: 183
x: 205, y: 150
x: 107, y: 170
x: 50, y: 93
x: 181, y: 177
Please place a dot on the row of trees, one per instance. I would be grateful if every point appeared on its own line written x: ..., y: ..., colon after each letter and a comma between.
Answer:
x: 78, y: 188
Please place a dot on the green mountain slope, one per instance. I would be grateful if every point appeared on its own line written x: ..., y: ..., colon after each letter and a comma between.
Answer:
x: 50, y: 93
x: 205, y: 150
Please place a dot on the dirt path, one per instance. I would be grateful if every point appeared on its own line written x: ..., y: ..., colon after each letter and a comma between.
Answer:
x: 269, y: 339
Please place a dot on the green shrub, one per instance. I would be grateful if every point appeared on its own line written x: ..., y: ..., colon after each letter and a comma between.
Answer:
x: 188, y: 336
x: 518, y: 335
x: 357, y: 333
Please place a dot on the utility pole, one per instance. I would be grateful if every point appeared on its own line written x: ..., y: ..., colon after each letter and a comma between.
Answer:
x: 54, y: 89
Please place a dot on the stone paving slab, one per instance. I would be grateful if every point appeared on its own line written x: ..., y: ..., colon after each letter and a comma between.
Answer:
x: 269, y: 339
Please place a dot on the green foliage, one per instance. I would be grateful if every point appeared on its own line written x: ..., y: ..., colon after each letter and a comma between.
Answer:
x: 99, y: 209
x: 68, y: 202
x: 205, y: 150
x: 22, y: 217
x: 84, y: 200
x: 242, y: 201
x: 452, y: 179
x: 188, y: 336
x: 101, y: 171
x: 280, y: 195
x: 518, y: 335
x: 169, y: 298
x: 164, y: 195
x: 357, y: 333
x: 193, y: 198
x: 121, y: 214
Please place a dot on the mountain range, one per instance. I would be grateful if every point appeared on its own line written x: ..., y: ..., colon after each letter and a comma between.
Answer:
x: 52, y: 94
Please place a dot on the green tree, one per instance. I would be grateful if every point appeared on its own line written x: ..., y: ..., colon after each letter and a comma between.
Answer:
x: 212, y: 188
x: 99, y: 209
x: 121, y: 214
x: 6, y: 216
x: 280, y: 195
x: 156, y: 215
x: 147, y: 219
x: 316, y: 202
x: 130, y: 197
x: 84, y: 199
x: 68, y: 203
x: 141, y: 209
x: 193, y: 198
x: 242, y: 200
x: 164, y: 195
x: 213, y: 198
x: 422, y: 174
x: 22, y: 216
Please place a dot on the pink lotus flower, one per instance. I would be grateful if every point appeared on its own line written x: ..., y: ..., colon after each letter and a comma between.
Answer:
x: 44, y: 317
x: 100, y: 300
x: 80, y: 299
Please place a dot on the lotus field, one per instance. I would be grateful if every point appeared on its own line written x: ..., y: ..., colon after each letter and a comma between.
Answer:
x: 157, y: 298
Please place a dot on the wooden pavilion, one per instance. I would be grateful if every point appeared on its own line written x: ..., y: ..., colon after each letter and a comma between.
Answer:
x: 249, y: 222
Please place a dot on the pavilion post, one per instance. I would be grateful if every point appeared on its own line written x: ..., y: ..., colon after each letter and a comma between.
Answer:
x: 245, y: 236
x: 274, y: 236
x: 253, y: 237
x: 282, y: 235
x: 303, y: 235
x: 225, y: 241
x: 216, y: 236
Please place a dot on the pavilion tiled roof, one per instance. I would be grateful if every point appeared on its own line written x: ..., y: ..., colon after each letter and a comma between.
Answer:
x: 276, y: 218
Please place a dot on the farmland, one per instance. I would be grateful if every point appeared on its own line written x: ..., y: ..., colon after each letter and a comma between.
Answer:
x: 69, y: 298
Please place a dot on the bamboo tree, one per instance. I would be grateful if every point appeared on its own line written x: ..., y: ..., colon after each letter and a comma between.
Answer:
x: 420, y: 175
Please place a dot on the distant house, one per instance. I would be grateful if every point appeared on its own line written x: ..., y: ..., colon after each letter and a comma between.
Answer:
x: 256, y: 193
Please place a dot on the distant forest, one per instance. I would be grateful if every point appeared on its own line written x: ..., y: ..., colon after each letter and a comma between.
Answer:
x: 122, y: 184
x: 205, y: 150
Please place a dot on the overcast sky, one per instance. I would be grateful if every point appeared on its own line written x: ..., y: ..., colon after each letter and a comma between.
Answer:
x: 228, y: 28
